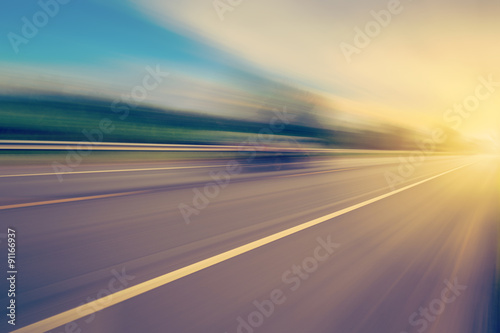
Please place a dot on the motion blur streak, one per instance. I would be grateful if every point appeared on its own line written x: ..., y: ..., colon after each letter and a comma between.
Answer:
x: 136, y: 290
x: 382, y: 244
x: 250, y: 166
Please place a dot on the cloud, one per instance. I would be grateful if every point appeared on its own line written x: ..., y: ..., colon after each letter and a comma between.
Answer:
x: 427, y: 58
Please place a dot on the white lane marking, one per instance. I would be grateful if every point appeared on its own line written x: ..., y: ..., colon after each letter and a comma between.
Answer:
x: 130, y: 170
x: 141, y: 288
x: 53, y: 202
x: 119, y: 194
x: 105, y: 171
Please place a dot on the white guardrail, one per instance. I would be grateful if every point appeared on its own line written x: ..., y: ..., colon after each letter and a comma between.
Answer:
x: 30, y: 145
x: 125, y: 146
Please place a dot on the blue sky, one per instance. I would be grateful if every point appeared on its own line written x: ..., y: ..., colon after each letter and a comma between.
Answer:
x: 102, y: 35
x: 425, y: 60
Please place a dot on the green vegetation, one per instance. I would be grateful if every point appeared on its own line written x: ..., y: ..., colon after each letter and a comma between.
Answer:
x: 68, y: 120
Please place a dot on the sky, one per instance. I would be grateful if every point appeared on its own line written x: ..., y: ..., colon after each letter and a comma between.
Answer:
x: 418, y: 61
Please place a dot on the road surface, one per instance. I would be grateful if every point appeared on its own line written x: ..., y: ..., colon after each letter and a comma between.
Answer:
x: 319, y: 248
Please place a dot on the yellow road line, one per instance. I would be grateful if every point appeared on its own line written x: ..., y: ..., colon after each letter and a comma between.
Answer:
x: 141, y: 288
x: 52, y: 202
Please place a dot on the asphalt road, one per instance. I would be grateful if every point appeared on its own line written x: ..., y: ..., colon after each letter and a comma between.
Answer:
x: 363, y: 257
